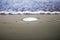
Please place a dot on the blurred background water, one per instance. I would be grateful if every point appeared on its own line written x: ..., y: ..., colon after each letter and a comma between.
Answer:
x: 29, y: 5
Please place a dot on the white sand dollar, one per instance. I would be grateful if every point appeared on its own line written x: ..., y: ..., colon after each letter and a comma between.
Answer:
x: 30, y: 19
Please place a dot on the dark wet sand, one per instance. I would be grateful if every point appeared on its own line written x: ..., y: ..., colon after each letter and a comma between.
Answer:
x: 13, y: 28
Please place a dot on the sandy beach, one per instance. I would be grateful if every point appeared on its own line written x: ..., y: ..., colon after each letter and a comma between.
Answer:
x: 12, y: 27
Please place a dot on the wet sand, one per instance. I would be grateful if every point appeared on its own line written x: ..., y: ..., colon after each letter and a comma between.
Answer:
x: 12, y: 27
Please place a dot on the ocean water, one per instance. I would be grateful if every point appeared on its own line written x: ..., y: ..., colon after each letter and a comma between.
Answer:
x: 29, y: 5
